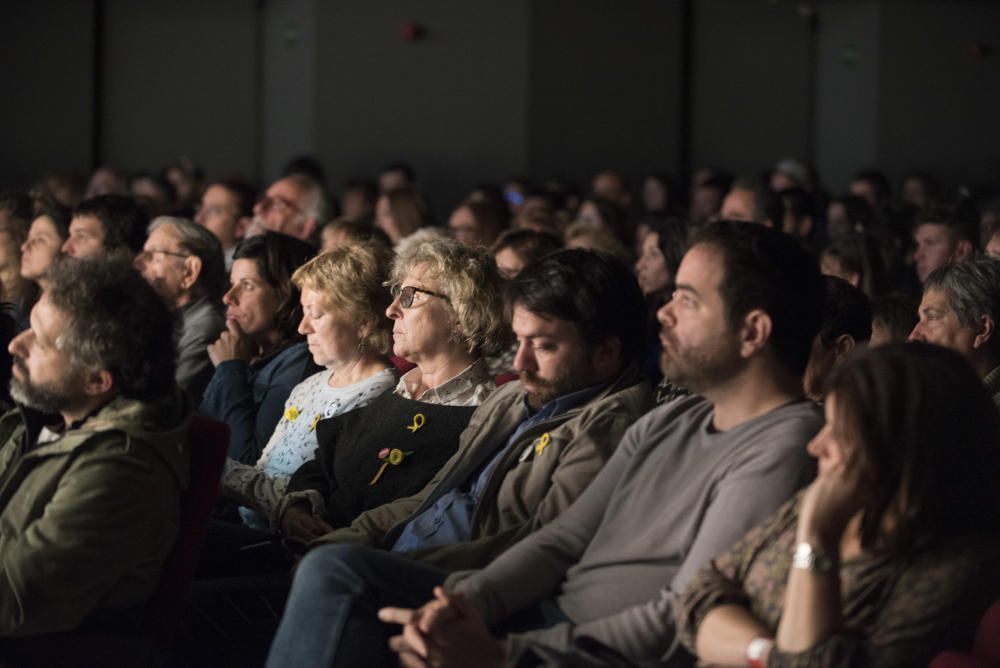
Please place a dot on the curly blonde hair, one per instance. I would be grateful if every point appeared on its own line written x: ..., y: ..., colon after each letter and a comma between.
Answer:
x: 352, y: 282
x: 470, y: 280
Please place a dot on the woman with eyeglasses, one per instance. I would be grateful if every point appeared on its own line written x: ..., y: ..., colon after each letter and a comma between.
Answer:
x: 890, y: 556
x: 260, y: 356
x: 447, y: 314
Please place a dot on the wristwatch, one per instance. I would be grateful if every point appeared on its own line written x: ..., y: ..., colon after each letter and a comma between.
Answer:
x: 809, y: 558
x: 757, y: 650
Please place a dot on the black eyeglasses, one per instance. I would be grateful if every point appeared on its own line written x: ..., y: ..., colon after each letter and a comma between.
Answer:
x: 406, y: 293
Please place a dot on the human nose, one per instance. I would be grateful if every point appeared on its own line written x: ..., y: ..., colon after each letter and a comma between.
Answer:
x: 67, y: 247
x: 18, y: 346
x: 230, y: 298
x: 918, y: 333
x: 524, y: 359
x: 305, y: 326
x: 816, y: 446
x: 665, y: 316
x: 395, y: 310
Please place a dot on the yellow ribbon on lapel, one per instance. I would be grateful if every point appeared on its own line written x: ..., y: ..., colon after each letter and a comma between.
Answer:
x: 418, y: 422
x: 542, y: 443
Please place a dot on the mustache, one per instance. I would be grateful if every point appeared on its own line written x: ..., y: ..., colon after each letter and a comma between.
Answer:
x: 531, y: 378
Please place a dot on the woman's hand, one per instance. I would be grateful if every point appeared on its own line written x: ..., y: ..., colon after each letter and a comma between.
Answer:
x: 830, y: 502
x: 232, y: 344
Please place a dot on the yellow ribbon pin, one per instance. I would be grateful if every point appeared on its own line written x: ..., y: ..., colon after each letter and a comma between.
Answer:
x: 291, y: 413
x: 542, y: 444
x: 418, y: 422
x: 312, y: 427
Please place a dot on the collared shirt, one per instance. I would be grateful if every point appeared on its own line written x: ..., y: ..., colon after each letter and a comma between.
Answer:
x: 469, y: 387
x: 449, y: 520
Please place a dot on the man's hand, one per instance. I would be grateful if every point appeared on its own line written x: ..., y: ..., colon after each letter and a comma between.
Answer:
x: 232, y: 344
x: 298, y: 523
x: 445, y: 633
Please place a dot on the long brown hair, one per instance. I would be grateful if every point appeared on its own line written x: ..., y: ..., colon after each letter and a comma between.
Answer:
x: 930, y: 432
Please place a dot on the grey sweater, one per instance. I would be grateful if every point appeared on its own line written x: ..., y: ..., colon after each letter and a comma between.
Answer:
x: 675, y: 494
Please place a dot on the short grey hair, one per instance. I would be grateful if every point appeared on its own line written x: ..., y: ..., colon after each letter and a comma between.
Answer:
x: 313, y: 203
x: 972, y: 289
x: 204, y: 245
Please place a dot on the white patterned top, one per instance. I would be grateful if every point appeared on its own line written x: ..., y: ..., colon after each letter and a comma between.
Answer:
x: 293, y: 442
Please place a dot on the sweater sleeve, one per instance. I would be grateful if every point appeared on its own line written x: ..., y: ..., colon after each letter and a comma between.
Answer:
x: 535, y: 567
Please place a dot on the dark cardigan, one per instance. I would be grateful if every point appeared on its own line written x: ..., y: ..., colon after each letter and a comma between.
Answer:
x: 348, y: 455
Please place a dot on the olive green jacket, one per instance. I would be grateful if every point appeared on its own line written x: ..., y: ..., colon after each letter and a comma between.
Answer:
x: 87, y: 520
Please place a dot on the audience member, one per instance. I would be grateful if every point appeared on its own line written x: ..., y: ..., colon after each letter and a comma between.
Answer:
x: 662, y: 250
x: 610, y: 186
x: 658, y: 194
x: 186, y: 178
x: 890, y: 555
x: 707, y: 193
x: 226, y: 210
x: 47, y: 233
x: 606, y: 215
x: 516, y: 249
x: 856, y: 258
x: 739, y: 330
x: 401, y: 212
x: 960, y: 310
x: 153, y: 194
x: 93, y: 461
x: 750, y: 201
x: 919, y: 191
x: 106, y: 181
x: 358, y: 200
x: 260, y: 356
x: 183, y: 262
x: 477, y: 223
x: 394, y: 176
x: 344, y: 231
x: 893, y: 318
x: 846, y: 215
x: 941, y: 236
x: 111, y: 225
x: 15, y: 289
x: 846, y: 327
x: 599, y: 239
x: 293, y: 205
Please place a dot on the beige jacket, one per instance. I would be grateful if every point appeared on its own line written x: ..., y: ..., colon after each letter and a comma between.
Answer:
x: 531, y: 485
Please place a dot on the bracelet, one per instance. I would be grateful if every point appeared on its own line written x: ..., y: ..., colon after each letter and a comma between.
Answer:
x: 808, y: 558
x: 757, y: 650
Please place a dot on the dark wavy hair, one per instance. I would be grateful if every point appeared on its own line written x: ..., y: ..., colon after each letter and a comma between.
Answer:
x: 929, y: 433
x: 117, y: 323
x: 277, y: 257
x: 596, y: 292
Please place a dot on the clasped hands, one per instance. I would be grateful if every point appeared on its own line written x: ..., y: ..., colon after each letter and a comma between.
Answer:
x: 447, y: 632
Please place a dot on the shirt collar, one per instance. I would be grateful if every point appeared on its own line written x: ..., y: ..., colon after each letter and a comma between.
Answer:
x: 566, y: 402
x: 466, y: 384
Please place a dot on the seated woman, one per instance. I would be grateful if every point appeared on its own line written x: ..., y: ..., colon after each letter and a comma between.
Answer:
x: 890, y: 555
x: 343, y: 318
x: 447, y: 314
x: 260, y: 357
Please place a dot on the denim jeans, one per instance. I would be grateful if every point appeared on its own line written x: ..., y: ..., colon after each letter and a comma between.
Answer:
x: 330, y: 618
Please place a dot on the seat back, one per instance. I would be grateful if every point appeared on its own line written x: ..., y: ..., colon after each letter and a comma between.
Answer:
x: 207, y: 441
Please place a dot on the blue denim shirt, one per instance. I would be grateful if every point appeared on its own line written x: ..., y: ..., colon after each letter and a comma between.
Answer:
x: 449, y: 520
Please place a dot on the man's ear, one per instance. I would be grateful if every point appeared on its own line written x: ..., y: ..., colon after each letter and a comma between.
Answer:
x: 308, y: 227
x: 192, y: 270
x: 755, y: 332
x: 842, y: 347
x: 963, y: 250
x: 96, y: 383
x: 985, y: 335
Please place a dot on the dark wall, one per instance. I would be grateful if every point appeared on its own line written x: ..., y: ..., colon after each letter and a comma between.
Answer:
x: 46, y: 66
x: 452, y: 104
x: 179, y: 81
x: 604, y: 88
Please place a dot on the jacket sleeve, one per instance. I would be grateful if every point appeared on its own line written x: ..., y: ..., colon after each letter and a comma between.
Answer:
x: 101, y: 526
x: 229, y: 398
x: 579, y: 462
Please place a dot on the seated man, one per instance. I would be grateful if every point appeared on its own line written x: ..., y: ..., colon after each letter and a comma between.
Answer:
x: 688, y: 479
x: 960, y: 310
x: 226, y: 211
x: 533, y: 445
x: 294, y: 205
x: 183, y: 262
x: 90, y: 502
x: 107, y: 224
x: 942, y: 235
x: 846, y: 325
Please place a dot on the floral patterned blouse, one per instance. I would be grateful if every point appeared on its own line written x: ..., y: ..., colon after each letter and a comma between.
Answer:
x: 294, y: 440
x: 895, y: 612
